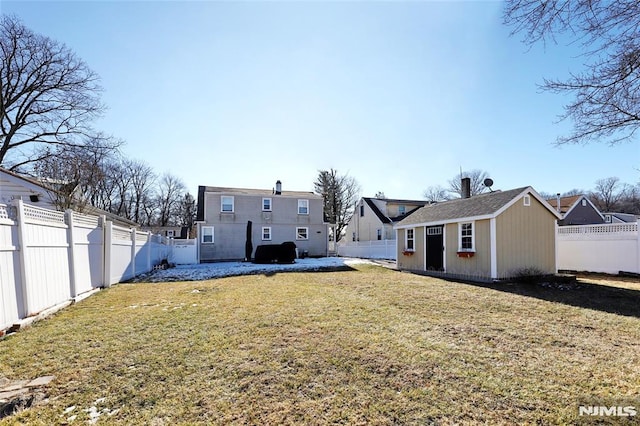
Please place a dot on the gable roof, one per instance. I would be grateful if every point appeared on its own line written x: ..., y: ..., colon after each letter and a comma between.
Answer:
x: 483, y: 206
x: 386, y: 219
x: 567, y: 204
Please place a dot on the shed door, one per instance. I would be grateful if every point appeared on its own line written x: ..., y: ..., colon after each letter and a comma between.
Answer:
x: 435, y: 248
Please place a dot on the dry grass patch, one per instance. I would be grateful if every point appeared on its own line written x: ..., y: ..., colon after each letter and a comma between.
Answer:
x: 369, y: 346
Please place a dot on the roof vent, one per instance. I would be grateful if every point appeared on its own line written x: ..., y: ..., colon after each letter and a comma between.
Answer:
x: 278, y: 188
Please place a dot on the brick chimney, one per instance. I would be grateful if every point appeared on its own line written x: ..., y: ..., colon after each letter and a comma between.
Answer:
x: 466, y: 187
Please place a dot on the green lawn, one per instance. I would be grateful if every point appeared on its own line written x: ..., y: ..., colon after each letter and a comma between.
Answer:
x: 367, y: 346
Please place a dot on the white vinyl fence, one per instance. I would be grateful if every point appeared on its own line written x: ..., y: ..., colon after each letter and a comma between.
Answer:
x: 382, y: 249
x: 608, y: 248
x: 49, y: 257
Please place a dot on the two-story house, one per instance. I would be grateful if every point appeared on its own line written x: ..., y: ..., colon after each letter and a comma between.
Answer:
x: 276, y: 216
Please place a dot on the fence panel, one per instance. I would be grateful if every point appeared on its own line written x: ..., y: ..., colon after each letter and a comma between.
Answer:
x: 11, y: 302
x: 119, y: 245
x: 142, y: 255
x: 45, y: 257
x: 88, y: 257
x: 609, y: 248
x: 383, y: 249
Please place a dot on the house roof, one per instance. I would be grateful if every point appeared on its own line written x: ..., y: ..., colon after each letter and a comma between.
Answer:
x: 384, y: 218
x: 479, y: 206
x: 565, y: 202
x: 623, y: 217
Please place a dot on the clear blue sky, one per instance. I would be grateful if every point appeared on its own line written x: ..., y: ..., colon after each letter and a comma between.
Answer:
x: 398, y: 94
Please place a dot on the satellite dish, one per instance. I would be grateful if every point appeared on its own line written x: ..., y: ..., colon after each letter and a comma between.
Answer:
x: 488, y: 182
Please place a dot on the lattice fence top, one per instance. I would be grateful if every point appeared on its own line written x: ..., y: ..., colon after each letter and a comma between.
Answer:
x: 84, y: 219
x: 4, y: 213
x: 614, y: 228
x: 43, y: 215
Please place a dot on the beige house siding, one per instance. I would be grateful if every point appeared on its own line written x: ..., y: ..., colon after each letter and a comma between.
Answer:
x: 415, y: 262
x: 365, y: 227
x: 525, y: 238
x: 477, y: 266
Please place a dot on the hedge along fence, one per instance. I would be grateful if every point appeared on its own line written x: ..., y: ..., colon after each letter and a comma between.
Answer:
x: 48, y: 258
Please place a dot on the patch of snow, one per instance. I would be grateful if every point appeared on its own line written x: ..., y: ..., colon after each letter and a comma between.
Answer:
x: 206, y: 271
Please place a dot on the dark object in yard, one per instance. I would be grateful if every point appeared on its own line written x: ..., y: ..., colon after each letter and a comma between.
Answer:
x: 279, y: 253
x: 248, y: 245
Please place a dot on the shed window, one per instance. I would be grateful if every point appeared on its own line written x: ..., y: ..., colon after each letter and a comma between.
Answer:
x: 409, y: 240
x: 526, y: 200
x: 466, y: 241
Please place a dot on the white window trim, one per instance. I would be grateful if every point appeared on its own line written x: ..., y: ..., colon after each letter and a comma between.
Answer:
x: 473, y: 236
x: 233, y: 202
x: 268, y: 229
x: 526, y: 200
x: 270, y: 205
x: 298, y: 234
x: 413, y: 239
x: 203, y: 234
x: 303, y: 202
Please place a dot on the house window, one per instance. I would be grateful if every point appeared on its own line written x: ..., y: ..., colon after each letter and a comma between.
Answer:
x: 207, y: 234
x: 303, y: 206
x: 379, y: 234
x: 353, y: 236
x: 402, y: 210
x: 266, y: 233
x: 226, y: 204
x: 302, y: 233
x: 170, y: 233
x: 607, y: 218
x: 361, y: 210
x: 526, y: 200
x: 584, y: 203
x: 409, y: 240
x: 466, y: 242
x: 266, y: 204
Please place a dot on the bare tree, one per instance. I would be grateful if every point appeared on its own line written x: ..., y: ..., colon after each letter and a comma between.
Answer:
x: 477, y: 182
x: 186, y: 212
x: 142, y: 180
x: 606, y: 104
x: 48, y: 96
x: 169, y: 195
x: 435, y: 194
x: 607, y: 194
x: 340, y: 193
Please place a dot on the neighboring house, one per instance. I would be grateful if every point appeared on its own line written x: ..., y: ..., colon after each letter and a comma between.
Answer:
x: 485, y: 237
x: 276, y: 216
x: 611, y: 217
x: 373, y: 218
x: 14, y: 186
x: 576, y: 210
x: 179, y: 232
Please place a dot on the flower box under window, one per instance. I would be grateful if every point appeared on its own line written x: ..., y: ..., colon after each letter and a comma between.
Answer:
x: 466, y: 254
x: 408, y: 252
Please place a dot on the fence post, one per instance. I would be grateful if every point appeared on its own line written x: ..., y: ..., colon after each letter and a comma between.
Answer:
x: 149, y: 246
x: 71, y: 253
x: 638, y: 247
x: 133, y: 252
x: 107, y: 241
x: 22, y: 255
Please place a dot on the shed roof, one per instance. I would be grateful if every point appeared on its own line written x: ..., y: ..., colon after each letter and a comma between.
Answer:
x: 478, y: 206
